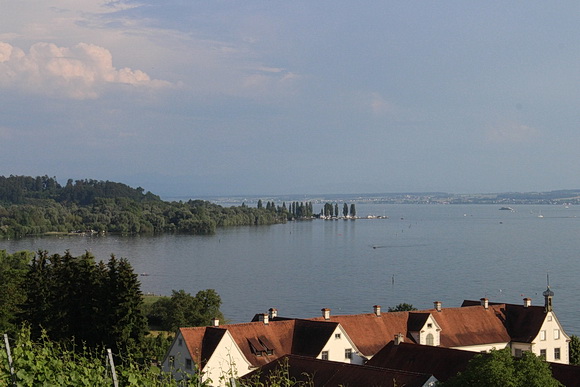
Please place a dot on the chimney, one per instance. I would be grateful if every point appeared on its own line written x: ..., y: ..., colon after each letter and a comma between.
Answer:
x: 265, y: 318
x: 273, y: 313
x: 527, y: 302
x: 399, y: 338
x: 484, y: 303
x: 377, y: 310
x: 326, y: 313
x: 215, y: 322
x: 437, y: 305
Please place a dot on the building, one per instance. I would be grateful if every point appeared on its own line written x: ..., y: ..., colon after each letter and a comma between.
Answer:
x: 477, y: 326
x: 221, y: 352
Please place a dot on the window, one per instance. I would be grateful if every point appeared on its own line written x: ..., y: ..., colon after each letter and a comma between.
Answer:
x: 171, y: 361
x: 348, y: 353
x: 188, y: 364
x: 556, y: 334
x: 429, y: 325
x: 542, y: 335
x: 518, y: 352
x: 556, y: 353
x: 543, y: 353
x: 324, y: 355
x: 549, y: 318
x: 337, y: 335
x: 429, y: 340
x: 180, y: 342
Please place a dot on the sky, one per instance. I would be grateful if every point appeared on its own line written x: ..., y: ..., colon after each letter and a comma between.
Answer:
x: 205, y: 98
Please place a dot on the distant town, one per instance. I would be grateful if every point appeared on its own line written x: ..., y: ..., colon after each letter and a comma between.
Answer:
x: 563, y: 197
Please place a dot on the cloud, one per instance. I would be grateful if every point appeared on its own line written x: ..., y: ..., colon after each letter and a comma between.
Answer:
x: 78, y: 72
x: 511, y: 133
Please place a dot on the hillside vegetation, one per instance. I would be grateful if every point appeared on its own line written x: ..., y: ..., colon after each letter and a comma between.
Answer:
x: 38, y: 205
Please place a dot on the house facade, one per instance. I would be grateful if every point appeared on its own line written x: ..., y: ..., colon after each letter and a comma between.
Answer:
x: 219, y: 352
x: 476, y: 326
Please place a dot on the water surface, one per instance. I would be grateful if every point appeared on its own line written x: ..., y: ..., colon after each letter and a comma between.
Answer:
x: 421, y: 254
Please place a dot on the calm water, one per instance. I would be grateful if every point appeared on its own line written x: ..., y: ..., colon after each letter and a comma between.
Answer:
x: 421, y: 254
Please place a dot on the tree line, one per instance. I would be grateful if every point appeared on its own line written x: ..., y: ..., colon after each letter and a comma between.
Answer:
x: 33, y: 206
x: 88, y: 303
x: 330, y: 210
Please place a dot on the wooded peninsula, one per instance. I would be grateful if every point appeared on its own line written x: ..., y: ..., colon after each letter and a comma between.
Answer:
x: 40, y: 205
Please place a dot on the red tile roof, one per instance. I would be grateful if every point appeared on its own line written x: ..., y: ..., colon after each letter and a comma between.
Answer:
x: 444, y: 363
x: 440, y: 362
x: 324, y: 373
x: 468, y: 325
x: 261, y: 343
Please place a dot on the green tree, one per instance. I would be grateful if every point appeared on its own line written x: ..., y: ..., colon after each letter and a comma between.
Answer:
x: 13, y: 269
x: 83, y: 300
x: 574, y: 347
x: 352, y: 210
x: 500, y: 368
x: 345, y: 210
x: 125, y: 321
x: 184, y: 310
x: 403, y: 307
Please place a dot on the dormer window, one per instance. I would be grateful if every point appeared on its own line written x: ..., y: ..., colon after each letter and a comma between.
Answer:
x: 261, y: 346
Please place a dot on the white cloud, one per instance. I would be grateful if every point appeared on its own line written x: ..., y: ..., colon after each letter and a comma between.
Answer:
x: 511, y: 133
x: 79, y: 72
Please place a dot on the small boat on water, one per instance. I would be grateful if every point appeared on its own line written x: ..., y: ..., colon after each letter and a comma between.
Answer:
x: 506, y: 209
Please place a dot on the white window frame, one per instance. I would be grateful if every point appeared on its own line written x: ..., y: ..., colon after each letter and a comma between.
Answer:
x: 348, y: 353
x: 324, y: 355
x: 556, y: 334
x: 557, y: 354
x: 543, y: 335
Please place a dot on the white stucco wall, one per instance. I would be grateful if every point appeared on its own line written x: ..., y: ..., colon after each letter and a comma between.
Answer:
x: 179, y: 353
x: 337, y: 345
x: 226, y: 361
x: 483, y: 347
x: 551, y: 337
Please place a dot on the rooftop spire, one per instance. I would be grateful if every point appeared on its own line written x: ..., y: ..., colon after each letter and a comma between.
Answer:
x: 548, y: 294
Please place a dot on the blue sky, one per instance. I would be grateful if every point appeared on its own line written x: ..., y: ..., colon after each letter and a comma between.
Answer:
x: 268, y: 97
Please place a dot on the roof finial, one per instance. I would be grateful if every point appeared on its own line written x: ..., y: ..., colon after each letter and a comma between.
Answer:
x: 548, y: 294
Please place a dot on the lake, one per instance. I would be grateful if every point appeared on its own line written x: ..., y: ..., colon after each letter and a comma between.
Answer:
x: 420, y: 254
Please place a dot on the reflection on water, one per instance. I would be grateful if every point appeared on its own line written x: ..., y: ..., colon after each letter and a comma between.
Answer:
x: 419, y: 255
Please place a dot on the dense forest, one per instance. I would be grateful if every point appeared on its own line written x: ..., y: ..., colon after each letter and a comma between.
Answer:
x: 38, y: 205
x: 61, y: 312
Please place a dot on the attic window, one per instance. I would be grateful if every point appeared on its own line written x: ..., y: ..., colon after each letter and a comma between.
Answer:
x: 188, y: 364
x: 337, y: 335
x: 256, y: 346
x: 324, y: 355
x: 180, y: 342
x: 261, y: 345
x: 429, y: 325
